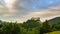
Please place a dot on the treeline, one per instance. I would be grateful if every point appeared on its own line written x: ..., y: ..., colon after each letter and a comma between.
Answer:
x: 31, y: 26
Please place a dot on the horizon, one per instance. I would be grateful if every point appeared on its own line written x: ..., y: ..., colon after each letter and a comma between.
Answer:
x: 29, y: 19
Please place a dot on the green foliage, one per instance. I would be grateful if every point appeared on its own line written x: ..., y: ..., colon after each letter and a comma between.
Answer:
x: 29, y: 24
x: 32, y: 26
x: 56, y: 26
x: 54, y: 20
x: 45, y: 28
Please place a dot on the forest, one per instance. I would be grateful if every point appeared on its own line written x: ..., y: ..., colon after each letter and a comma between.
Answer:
x: 31, y: 26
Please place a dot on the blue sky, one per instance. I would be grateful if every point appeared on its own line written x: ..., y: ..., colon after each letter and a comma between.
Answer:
x: 21, y: 10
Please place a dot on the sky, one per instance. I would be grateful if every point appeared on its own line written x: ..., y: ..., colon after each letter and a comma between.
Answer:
x: 22, y: 10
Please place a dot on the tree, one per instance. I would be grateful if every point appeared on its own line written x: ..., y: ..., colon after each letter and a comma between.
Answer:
x: 29, y: 24
x: 45, y: 28
x: 56, y: 27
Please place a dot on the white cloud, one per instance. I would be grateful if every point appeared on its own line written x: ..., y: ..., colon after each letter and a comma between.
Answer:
x: 49, y: 13
x: 7, y: 9
x: 7, y: 13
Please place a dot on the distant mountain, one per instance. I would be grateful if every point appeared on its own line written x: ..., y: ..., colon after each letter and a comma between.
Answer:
x: 54, y: 20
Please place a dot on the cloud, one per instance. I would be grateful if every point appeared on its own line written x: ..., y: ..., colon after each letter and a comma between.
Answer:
x: 6, y: 8
x: 6, y: 11
x: 49, y: 13
x: 2, y: 3
x: 15, y: 10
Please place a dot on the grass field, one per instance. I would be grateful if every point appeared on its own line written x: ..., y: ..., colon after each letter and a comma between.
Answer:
x: 56, y: 32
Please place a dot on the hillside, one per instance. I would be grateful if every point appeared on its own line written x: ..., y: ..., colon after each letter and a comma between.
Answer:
x: 54, y: 20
